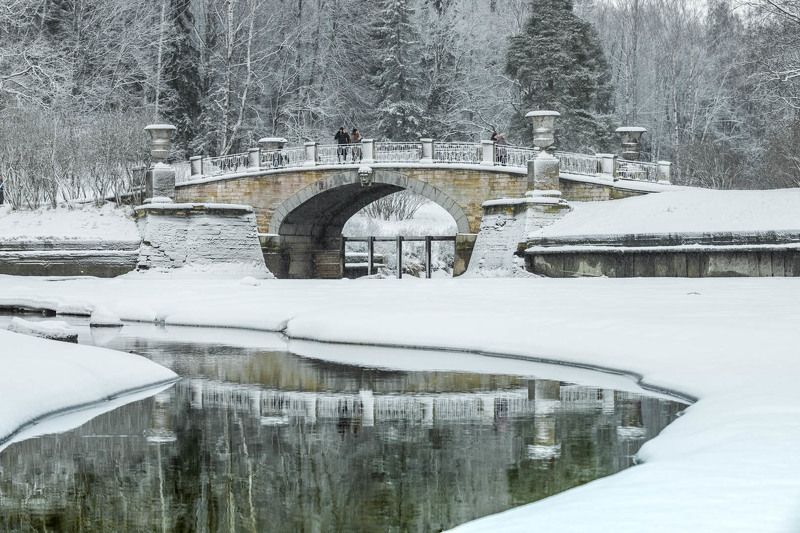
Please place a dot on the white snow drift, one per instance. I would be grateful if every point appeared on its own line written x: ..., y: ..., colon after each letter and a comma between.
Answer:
x: 41, y: 378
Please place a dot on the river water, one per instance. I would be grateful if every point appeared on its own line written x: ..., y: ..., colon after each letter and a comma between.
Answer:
x: 263, y: 440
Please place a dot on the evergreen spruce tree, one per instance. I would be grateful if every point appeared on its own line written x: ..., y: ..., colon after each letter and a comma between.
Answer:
x: 394, y: 71
x: 558, y: 64
x: 181, y: 73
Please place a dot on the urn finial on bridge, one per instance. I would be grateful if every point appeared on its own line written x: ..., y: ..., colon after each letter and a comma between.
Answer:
x: 160, y: 179
x: 543, y: 170
x: 631, y: 142
x: 160, y: 141
x: 544, y: 126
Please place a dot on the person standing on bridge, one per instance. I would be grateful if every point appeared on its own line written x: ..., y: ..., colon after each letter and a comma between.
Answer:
x: 355, y: 138
x: 501, y: 148
x: 342, y: 139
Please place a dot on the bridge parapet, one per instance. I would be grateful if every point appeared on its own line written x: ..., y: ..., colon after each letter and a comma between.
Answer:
x: 425, y: 152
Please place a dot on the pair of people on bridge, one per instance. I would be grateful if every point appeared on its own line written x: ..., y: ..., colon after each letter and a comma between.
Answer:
x: 348, y: 142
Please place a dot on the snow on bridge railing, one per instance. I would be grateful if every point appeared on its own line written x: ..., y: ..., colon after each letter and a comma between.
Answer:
x: 456, y: 152
x: 515, y: 156
x: 585, y: 164
x: 426, y: 151
x: 289, y: 157
x: 398, y: 152
x: 639, y: 171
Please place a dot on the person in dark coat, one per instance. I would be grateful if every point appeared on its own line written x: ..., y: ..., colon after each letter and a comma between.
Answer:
x: 342, y: 138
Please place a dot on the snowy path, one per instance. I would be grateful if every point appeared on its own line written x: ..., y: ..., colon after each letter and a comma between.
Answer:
x: 728, y: 464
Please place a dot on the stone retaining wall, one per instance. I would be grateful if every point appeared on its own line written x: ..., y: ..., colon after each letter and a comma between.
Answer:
x: 103, y: 259
x: 764, y: 254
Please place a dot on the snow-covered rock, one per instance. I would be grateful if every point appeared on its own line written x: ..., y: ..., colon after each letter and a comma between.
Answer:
x: 51, y: 329
x: 102, y: 316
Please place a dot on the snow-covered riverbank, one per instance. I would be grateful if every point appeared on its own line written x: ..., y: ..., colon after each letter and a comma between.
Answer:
x: 42, y: 378
x: 728, y: 464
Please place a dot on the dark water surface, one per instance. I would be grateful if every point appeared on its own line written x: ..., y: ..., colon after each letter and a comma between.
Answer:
x: 257, y: 440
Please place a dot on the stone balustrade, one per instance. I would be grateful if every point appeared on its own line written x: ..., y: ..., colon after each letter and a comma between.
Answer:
x: 424, y: 152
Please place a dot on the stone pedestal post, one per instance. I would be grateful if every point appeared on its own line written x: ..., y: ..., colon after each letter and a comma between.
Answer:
x: 311, y: 154
x: 160, y: 179
x: 367, y: 151
x: 427, y: 150
x: 543, y: 171
x: 607, y: 163
x: 160, y: 184
x: 631, y: 142
x: 196, y: 165
x: 487, y: 152
x: 664, y: 172
x: 254, y: 158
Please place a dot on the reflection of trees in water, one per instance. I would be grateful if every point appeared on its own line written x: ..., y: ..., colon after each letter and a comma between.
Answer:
x: 282, y: 370
x: 233, y: 467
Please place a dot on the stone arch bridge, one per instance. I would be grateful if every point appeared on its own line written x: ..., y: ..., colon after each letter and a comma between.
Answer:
x: 303, y: 196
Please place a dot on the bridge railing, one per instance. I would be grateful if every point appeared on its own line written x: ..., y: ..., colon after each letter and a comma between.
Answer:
x: 331, y: 154
x: 515, y: 156
x: 588, y: 165
x: 639, y: 171
x: 286, y: 158
x: 398, y: 152
x: 426, y: 151
x: 457, y: 152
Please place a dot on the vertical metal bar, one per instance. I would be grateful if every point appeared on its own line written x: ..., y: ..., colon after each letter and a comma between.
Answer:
x: 428, y: 267
x: 342, y: 254
x: 370, y: 254
x: 399, y: 257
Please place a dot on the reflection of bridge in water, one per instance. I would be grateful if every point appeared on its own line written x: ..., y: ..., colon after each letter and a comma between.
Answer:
x: 540, y: 398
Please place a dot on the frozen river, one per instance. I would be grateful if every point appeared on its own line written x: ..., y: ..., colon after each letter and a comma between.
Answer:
x: 260, y: 439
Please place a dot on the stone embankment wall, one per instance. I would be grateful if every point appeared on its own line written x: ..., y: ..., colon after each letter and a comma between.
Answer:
x: 219, y: 237
x: 692, y: 255
x: 580, y: 191
x: 60, y: 257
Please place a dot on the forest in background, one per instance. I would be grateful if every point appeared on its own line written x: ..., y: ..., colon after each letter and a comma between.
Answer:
x: 716, y: 84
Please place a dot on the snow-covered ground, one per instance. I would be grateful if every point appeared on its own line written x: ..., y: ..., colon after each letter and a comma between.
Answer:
x: 728, y: 464
x: 683, y: 211
x: 40, y: 379
x: 81, y: 222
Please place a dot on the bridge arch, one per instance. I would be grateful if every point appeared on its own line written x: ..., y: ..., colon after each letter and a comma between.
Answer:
x: 329, y: 203
x: 309, y: 223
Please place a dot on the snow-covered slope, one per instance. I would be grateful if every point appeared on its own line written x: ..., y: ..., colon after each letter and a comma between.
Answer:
x: 83, y: 222
x: 685, y: 211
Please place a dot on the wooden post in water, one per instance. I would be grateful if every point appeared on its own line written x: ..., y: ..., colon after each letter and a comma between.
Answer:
x: 370, y: 254
x: 428, y: 268
x: 399, y: 257
x: 342, y: 254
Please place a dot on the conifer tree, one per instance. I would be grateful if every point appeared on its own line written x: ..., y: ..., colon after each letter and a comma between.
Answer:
x: 394, y: 70
x: 181, y: 74
x: 557, y: 62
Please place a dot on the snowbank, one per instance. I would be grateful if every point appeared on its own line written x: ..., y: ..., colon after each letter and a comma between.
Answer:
x: 40, y: 378
x: 51, y: 329
x: 685, y: 211
x: 82, y: 222
x: 728, y: 464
